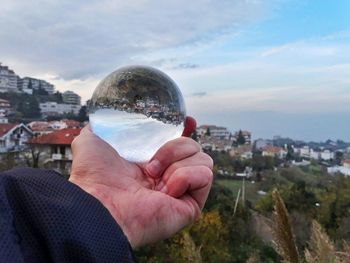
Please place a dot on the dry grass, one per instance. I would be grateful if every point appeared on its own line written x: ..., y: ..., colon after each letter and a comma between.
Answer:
x: 282, y: 232
x: 321, y: 248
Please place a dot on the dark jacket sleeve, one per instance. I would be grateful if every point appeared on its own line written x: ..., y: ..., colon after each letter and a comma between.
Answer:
x: 45, y: 218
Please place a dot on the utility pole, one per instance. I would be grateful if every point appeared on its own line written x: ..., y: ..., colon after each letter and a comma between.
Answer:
x: 243, y: 192
x: 236, y: 203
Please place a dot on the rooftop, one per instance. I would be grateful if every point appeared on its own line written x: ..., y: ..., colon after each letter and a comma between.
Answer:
x: 6, y: 127
x: 272, y: 149
x: 59, y: 137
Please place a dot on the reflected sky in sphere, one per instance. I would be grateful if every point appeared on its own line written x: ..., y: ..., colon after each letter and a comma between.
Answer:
x: 136, y: 109
x: 135, y: 136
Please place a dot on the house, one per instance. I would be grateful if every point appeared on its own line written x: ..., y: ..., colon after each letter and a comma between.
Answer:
x: 4, y: 104
x: 72, y: 123
x: 346, y: 163
x: 3, y: 118
x: 326, y: 155
x: 215, y: 131
x: 56, y: 148
x: 315, y: 154
x: 274, y: 151
x: 304, y: 152
x: 40, y: 127
x: 242, y: 151
x: 215, y: 144
x: 13, y: 137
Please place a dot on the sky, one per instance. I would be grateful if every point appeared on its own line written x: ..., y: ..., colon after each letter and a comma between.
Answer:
x: 274, y: 67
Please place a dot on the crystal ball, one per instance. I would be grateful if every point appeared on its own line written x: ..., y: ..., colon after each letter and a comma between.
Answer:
x: 136, y: 109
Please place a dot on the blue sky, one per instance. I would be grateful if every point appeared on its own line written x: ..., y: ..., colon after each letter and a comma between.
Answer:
x: 273, y: 67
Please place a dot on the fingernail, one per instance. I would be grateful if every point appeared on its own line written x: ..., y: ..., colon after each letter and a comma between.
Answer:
x: 153, y: 168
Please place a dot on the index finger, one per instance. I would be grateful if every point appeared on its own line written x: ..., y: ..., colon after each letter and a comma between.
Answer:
x: 169, y: 153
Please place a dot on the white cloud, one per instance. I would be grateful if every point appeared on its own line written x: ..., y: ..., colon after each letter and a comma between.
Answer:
x: 80, y: 39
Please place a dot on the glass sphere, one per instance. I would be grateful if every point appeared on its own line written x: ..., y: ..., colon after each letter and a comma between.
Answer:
x: 136, y: 109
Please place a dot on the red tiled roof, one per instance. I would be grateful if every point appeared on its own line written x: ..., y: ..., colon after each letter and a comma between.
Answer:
x: 346, y: 161
x: 272, y: 149
x: 39, y: 126
x: 6, y: 127
x: 72, y: 123
x: 243, y: 149
x: 59, y: 137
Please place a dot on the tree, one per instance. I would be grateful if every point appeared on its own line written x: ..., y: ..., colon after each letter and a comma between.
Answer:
x: 338, y: 157
x: 58, y: 97
x: 32, y: 158
x: 194, y: 135
x: 30, y: 84
x: 290, y: 153
x: 208, y: 132
x: 240, y: 138
x: 31, y: 108
x: 82, y: 116
x: 40, y: 90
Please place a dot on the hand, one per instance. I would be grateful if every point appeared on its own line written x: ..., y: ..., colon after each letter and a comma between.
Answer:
x: 150, y: 201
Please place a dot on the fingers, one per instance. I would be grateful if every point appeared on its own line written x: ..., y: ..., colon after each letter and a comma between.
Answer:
x: 169, y: 153
x: 193, y: 180
x: 190, y: 126
x: 199, y: 159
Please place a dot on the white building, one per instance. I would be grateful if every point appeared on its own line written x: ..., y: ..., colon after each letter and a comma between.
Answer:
x: 215, y: 131
x: 8, y: 79
x: 339, y: 169
x: 53, y: 108
x: 326, y: 155
x: 315, y: 154
x: 69, y: 97
x: 3, y: 118
x: 346, y: 163
x: 13, y: 137
x: 304, y: 152
x: 27, y: 84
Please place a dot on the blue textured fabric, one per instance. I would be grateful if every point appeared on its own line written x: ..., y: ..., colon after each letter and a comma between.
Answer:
x: 45, y: 218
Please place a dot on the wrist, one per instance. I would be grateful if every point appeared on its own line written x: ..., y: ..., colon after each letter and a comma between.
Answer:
x: 101, y: 193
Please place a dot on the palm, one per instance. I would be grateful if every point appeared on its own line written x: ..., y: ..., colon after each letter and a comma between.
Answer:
x: 144, y: 213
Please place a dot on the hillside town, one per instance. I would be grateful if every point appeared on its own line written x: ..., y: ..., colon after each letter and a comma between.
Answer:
x: 43, y: 139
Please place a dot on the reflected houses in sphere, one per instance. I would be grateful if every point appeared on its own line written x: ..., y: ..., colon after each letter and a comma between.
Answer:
x: 136, y: 110
x: 144, y: 90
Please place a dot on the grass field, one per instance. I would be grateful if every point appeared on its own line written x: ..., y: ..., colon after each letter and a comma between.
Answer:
x: 251, y: 189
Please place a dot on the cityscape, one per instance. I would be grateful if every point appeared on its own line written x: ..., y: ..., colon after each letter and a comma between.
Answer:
x: 51, y: 132
x: 38, y: 125
x: 44, y: 139
x: 268, y: 84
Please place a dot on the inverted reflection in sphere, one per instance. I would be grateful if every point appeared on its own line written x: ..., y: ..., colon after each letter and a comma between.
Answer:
x: 136, y: 109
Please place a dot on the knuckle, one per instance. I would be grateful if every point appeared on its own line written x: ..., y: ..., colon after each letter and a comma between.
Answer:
x: 190, y: 143
x: 207, y: 172
x: 207, y: 160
